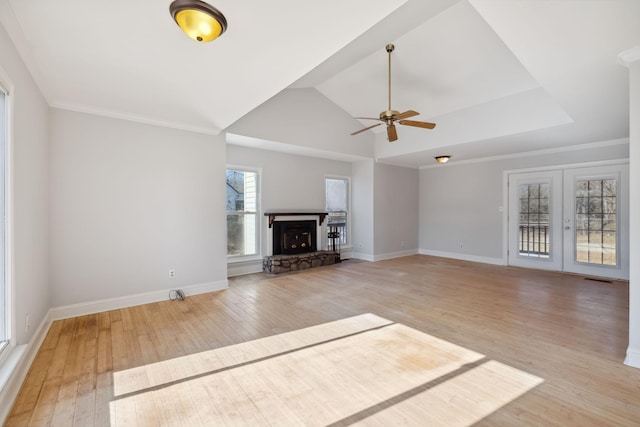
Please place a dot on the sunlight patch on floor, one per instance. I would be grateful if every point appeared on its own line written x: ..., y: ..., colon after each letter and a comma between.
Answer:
x: 360, y: 370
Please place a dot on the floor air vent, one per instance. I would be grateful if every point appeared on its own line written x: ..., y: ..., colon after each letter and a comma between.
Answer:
x: 598, y: 280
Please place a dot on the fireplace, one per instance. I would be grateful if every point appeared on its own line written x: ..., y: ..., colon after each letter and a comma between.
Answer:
x: 294, y: 237
x: 295, y: 241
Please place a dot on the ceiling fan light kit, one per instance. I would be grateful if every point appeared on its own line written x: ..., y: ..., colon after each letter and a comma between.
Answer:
x: 442, y: 159
x: 390, y: 117
x: 199, y: 20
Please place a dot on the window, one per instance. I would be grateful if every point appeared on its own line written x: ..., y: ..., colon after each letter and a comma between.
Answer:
x: 242, y: 213
x: 337, y: 204
x: 534, y: 220
x: 4, y: 289
x: 596, y: 221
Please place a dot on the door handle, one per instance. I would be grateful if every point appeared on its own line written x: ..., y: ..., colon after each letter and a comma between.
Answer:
x: 566, y: 227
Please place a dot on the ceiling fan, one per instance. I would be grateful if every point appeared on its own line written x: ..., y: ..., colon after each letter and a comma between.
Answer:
x: 391, y: 116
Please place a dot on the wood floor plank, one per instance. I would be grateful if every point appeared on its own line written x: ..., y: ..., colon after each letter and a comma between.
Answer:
x: 221, y: 352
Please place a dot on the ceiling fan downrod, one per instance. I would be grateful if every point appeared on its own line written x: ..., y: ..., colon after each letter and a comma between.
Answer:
x: 389, y: 49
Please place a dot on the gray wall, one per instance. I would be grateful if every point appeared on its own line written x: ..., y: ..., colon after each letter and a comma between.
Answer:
x: 459, y: 202
x: 396, y: 210
x: 385, y: 204
x: 130, y: 201
x: 30, y: 173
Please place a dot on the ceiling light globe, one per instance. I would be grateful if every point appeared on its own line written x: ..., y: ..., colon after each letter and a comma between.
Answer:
x: 200, y: 21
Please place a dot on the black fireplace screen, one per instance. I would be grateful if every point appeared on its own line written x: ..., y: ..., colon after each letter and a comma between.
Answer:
x: 294, y: 237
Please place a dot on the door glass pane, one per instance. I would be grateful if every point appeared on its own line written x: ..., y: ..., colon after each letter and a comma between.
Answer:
x: 534, y: 232
x: 596, y: 221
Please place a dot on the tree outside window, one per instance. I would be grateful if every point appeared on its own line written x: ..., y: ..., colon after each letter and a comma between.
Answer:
x: 242, y: 212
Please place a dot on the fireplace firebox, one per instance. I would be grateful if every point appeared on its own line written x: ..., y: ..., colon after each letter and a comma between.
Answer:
x: 294, y: 237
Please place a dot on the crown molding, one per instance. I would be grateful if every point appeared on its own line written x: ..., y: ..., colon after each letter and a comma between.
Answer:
x: 135, y: 118
x: 576, y: 147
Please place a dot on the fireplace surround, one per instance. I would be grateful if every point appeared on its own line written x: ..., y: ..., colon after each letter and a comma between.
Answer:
x: 295, y: 241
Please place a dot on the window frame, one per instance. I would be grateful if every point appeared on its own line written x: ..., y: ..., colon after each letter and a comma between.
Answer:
x: 617, y: 248
x: 258, y: 213
x: 348, y: 243
x: 7, y: 206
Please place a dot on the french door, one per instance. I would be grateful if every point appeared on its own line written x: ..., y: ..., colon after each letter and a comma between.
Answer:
x: 596, y: 221
x: 574, y: 220
x: 535, y: 218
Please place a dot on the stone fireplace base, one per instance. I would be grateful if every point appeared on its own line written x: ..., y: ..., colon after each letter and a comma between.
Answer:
x: 276, y: 264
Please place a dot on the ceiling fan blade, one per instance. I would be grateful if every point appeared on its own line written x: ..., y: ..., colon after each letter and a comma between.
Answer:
x: 367, y: 128
x: 425, y: 125
x: 406, y: 114
x: 391, y: 133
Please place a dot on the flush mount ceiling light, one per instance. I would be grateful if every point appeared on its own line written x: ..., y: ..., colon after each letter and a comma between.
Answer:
x: 442, y: 159
x: 198, y: 20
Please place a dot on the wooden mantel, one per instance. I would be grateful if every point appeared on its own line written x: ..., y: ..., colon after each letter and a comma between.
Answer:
x: 272, y: 214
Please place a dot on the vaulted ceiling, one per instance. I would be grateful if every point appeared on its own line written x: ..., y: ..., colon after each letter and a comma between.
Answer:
x: 497, y: 76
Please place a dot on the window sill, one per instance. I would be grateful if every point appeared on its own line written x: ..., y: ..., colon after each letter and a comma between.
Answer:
x: 10, y: 363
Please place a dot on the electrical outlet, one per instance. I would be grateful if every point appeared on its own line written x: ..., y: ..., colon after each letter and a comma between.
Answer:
x: 27, y: 323
x: 172, y: 274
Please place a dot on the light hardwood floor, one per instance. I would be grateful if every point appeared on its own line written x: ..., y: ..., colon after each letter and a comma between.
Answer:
x: 568, y: 332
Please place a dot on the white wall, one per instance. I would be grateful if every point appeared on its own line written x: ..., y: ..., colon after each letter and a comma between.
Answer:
x: 459, y: 203
x: 130, y: 201
x: 287, y: 181
x: 395, y: 211
x: 362, y: 232
x: 29, y: 129
x: 28, y: 227
x: 633, y: 351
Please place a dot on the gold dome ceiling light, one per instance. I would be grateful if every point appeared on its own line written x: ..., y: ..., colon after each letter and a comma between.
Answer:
x: 198, y: 20
x: 442, y: 159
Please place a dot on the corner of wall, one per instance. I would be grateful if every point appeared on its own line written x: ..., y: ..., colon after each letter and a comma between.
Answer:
x: 633, y: 358
x: 15, y: 369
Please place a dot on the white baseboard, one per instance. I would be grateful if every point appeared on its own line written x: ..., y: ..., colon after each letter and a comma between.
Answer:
x: 364, y: 257
x: 17, y: 367
x: 381, y: 257
x: 346, y: 254
x: 92, y: 307
x: 244, y: 267
x: 633, y: 357
x: 463, y: 257
x: 392, y: 255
